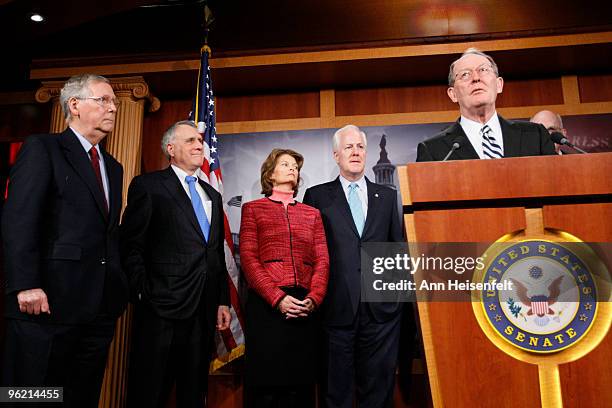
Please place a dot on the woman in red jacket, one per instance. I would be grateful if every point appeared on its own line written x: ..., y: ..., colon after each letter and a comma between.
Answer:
x: 283, y: 253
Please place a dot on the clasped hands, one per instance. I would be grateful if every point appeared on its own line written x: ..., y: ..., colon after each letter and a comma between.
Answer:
x: 293, y: 308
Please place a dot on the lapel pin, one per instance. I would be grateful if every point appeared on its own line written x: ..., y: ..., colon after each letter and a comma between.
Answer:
x: 376, y: 195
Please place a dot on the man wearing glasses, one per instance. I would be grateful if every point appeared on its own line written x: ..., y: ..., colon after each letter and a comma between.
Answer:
x: 480, y: 133
x: 64, y: 285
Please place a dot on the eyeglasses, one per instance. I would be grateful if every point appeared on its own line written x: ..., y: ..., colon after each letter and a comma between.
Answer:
x: 468, y: 74
x: 104, y: 101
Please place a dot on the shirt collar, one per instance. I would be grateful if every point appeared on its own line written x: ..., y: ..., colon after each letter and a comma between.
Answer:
x: 474, y: 126
x: 472, y: 131
x: 85, y: 143
x: 361, y: 183
x: 181, y: 174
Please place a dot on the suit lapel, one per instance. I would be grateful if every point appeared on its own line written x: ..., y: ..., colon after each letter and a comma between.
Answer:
x: 79, y: 160
x: 115, y: 180
x: 177, y: 192
x: 215, y: 218
x: 339, y: 201
x: 373, y: 201
x: 466, y: 151
x: 512, y: 138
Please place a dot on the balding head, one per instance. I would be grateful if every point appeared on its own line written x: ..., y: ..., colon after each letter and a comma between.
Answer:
x: 550, y: 120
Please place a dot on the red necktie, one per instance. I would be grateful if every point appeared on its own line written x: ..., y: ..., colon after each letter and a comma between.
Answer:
x: 95, y: 163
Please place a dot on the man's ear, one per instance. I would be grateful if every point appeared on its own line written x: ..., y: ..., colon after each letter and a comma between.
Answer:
x: 336, y: 158
x: 451, y: 94
x: 500, y: 84
x: 73, y: 106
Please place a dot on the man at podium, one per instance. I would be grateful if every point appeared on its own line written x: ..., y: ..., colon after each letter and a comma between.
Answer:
x: 480, y: 133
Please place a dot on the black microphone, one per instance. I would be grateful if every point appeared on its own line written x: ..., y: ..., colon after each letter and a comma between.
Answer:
x: 558, y: 138
x: 456, y: 145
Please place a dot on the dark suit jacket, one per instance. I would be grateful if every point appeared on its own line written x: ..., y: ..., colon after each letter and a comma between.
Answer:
x: 343, y: 243
x: 57, y: 234
x: 163, y: 249
x: 520, y: 139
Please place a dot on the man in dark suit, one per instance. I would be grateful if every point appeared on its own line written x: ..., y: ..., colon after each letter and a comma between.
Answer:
x: 65, y: 288
x: 362, y: 338
x: 480, y: 133
x: 172, y: 249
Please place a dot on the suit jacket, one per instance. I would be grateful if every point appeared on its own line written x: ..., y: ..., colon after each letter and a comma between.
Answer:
x: 344, y: 246
x: 281, y: 247
x: 520, y: 139
x: 169, y: 265
x: 57, y: 233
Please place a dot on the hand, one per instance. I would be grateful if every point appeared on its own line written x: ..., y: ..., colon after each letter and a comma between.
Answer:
x: 33, y: 301
x: 310, y: 304
x: 223, y: 318
x: 292, y: 307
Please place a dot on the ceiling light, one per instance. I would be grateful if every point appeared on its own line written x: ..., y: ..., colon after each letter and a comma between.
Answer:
x: 37, y: 18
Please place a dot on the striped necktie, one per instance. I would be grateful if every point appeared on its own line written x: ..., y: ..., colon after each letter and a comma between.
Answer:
x: 490, y: 148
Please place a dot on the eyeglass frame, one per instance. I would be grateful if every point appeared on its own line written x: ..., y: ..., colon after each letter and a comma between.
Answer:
x: 103, y: 101
x: 483, y: 69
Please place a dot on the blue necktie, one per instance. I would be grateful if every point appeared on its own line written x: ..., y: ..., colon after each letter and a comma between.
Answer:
x: 198, y: 207
x: 356, y: 208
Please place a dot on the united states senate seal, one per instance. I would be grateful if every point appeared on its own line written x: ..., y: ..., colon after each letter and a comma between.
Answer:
x: 552, y: 302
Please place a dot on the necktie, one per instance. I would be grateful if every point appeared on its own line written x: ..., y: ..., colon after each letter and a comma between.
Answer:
x: 95, y: 163
x: 356, y: 208
x: 198, y: 207
x: 490, y: 148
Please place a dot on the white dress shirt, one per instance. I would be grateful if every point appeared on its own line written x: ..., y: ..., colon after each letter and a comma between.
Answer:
x: 362, y: 191
x: 203, y: 196
x: 472, y: 131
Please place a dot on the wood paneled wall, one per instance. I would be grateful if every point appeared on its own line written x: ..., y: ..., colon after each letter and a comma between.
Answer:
x: 573, y: 94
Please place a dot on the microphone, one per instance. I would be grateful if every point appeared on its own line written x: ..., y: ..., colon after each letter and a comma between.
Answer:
x: 558, y: 138
x: 456, y: 145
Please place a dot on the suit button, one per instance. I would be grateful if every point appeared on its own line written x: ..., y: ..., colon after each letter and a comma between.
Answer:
x: 103, y: 261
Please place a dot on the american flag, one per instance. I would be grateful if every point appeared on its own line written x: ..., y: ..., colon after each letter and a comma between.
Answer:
x: 229, y: 343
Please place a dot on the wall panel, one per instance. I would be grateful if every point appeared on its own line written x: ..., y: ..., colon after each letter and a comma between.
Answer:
x: 267, y: 107
x: 531, y: 92
x: 595, y: 88
x: 392, y: 100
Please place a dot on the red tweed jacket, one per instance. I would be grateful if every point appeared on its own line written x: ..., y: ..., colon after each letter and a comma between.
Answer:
x: 283, y: 248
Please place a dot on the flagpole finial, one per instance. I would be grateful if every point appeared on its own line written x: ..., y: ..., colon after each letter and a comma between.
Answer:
x: 207, y: 24
x: 206, y: 48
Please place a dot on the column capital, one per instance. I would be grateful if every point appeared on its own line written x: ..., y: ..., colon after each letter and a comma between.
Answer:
x: 133, y: 87
x: 48, y: 91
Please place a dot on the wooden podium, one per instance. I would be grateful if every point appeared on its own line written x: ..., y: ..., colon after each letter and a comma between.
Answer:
x: 482, y: 200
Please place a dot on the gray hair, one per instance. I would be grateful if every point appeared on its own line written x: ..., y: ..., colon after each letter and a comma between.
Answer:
x: 470, y: 51
x: 336, y: 138
x: 78, y: 87
x: 169, y: 134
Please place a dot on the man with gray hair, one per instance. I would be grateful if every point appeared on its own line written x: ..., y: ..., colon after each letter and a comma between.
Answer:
x: 552, y: 122
x: 480, y: 133
x: 362, y: 338
x: 172, y: 250
x: 60, y: 227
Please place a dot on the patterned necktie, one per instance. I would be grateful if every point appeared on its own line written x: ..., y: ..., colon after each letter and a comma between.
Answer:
x: 198, y: 207
x: 356, y: 208
x: 490, y: 148
x: 95, y: 163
